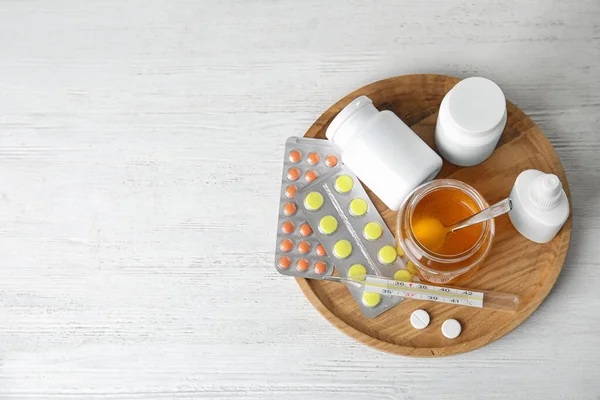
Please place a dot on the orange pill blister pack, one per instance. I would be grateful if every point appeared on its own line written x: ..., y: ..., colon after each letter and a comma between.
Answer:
x: 298, y: 252
x: 354, y: 234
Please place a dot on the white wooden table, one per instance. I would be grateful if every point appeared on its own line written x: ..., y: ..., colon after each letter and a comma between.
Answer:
x: 140, y: 151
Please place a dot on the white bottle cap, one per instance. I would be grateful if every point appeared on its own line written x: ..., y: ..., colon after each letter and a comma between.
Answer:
x: 359, y: 110
x: 545, y: 191
x: 477, y: 106
x: 540, y: 205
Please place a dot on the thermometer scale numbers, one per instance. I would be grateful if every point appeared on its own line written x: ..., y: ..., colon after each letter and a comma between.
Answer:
x: 420, y: 291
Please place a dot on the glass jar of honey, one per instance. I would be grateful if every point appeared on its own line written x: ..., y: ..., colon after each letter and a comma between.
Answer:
x: 458, y: 254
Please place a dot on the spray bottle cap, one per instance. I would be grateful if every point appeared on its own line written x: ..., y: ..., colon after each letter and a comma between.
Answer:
x: 545, y: 191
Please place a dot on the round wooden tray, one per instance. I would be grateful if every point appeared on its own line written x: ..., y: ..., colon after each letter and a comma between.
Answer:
x: 515, y: 264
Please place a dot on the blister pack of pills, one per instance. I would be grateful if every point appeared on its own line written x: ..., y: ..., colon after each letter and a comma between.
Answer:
x: 298, y: 252
x: 354, y: 235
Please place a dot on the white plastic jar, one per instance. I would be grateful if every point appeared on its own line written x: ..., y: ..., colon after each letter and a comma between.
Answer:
x: 470, y: 122
x: 385, y: 154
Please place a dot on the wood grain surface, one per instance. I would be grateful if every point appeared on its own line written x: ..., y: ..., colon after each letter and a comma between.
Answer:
x: 514, y: 265
x: 140, y: 158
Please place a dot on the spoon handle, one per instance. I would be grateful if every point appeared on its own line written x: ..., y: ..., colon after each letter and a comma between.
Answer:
x: 491, y: 212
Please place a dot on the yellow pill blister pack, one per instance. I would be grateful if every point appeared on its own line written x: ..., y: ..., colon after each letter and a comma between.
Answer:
x: 353, y: 233
x: 298, y: 251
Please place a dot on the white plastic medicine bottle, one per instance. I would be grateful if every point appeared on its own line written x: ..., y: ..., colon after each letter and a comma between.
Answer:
x: 385, y: 154
x: 470, y: 122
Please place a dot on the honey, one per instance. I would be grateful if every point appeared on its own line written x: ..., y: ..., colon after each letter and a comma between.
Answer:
x: 424, y: 240
x: 441, y: 208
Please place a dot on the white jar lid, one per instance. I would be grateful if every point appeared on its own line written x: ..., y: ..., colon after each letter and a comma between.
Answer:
x: 476, y: 105
x: 345, y: 114
x: 352, y: 117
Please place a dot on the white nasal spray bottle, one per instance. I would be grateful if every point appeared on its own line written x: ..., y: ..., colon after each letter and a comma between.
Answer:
x: 540, y: 205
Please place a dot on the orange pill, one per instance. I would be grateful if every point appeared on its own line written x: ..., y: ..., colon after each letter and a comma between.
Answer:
x: 303, y: 264
x: 303, y: 247
x: 311, y: 176
x: 286, y: 245
x: 295, y: 156
x: 331, y: 161
x: 320, y: 267
x: 293, y: 174
x: 285, y: 262
x: 290, y: 192
x: 313, y: 158
x: 287, y: 227
x: 289, y: 209
x: 320, y: 250
x: 305, y: 230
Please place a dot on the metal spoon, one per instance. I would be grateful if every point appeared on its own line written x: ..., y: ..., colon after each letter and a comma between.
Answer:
x: 491, y: 212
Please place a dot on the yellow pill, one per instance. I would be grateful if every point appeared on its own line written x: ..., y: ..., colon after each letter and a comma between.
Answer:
x: 400, y: 251
x: 403, y: 275
x: 328, y: 225
x: 344, y: 183
x: 411, y: 267
x: 387, y: 254
x: 358, y: 207
x: 370, y: 299
x: 313, y: 201
x: 342, y: 249
x: 372, y: 231
x: 357, y: 270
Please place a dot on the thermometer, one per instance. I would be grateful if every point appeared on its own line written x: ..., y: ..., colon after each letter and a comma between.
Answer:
x: 441, y: 294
